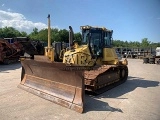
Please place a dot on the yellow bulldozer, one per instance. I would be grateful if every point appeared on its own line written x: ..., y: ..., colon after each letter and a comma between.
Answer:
x: 91, y: 66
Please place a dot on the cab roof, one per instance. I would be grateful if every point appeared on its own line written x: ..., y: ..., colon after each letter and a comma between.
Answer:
x: 87, y: 27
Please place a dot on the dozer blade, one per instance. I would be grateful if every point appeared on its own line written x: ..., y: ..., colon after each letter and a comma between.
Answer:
x: 54, y: 82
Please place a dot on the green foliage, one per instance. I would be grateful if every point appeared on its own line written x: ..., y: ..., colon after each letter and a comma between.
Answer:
x: 118, y: 43
x: 23, y: 34
x: 42, y: 35
x: 9, y: 32
x: 78, y: 36
x: 35, y: 31
x: 145, y: 43
x: 56, y: 35
x: 154, y: 45
x: 63, y: 36
x: 34, y: 34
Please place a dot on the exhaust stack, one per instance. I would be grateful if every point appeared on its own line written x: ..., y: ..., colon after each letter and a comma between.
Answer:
x: 70, y: 37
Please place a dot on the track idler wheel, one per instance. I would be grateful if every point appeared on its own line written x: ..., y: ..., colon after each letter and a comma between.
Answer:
x: 124, y: 73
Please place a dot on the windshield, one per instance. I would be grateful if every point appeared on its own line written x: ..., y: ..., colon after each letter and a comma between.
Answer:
x: 95, y: 39
x: 94, y: 36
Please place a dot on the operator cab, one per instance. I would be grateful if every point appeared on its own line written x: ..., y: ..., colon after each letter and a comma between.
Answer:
x: 96, y: 38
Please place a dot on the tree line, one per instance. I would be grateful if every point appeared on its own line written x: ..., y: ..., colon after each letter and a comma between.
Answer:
x: 56, y: 34
x: 62, y: 35
x: 133, y: 44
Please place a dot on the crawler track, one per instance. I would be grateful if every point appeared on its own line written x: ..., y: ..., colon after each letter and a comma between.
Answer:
x: 104, y: 78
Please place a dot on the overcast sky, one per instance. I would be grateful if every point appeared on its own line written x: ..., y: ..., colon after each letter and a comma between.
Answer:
x: 131, y: 20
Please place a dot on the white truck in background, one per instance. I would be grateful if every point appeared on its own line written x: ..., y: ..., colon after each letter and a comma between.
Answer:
x: 157, y: 57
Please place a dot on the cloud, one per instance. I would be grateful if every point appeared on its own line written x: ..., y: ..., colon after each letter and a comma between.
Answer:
x: 2, y: 5
x: 18, y: 21
x: 9, y: 10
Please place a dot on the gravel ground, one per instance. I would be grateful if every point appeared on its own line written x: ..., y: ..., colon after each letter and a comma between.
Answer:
x: 136, y: 99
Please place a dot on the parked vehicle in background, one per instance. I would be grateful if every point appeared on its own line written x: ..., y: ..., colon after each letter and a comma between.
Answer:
x: 11, y: 49
x: 157, y: 57
x: 158, y: 51
x: 10, y: 52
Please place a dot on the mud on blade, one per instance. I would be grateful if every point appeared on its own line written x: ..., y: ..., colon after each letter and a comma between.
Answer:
x: 54, y: 82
